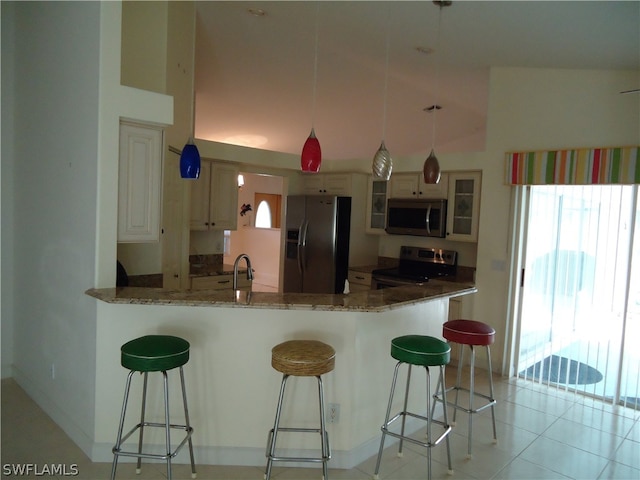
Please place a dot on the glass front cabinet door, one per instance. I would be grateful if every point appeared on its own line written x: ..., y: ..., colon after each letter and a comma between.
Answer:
x: 463, y: 209
x: 377, y: 206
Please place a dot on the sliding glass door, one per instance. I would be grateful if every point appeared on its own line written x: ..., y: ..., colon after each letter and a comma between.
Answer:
x: 580, y: 291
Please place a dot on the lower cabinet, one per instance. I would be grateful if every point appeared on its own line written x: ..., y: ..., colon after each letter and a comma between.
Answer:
x: 219, y: 282
x: 455, y: 309
x: 359, y: 281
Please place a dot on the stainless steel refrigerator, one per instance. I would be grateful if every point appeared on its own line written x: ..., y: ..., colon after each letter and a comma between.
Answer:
x: 317, y: 243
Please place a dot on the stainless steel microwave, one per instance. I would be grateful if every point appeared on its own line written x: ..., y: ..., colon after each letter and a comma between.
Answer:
x: 416, y: 216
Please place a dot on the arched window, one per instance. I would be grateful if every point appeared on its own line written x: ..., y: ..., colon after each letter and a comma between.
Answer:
x: 268, y: 210
x: 263, y: 215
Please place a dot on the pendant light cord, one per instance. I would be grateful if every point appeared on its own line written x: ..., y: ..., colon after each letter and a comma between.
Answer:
x: 386, y: 83
x: 436, y: 90
x: 315, y: 66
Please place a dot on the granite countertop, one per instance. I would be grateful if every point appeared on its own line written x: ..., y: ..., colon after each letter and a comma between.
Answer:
x: 367, y: 301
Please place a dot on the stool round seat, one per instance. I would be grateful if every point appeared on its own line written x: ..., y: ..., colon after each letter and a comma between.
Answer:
x: 303, y: 358
x: 468, y: 332
x: 420, y: 350
x: 154, y: 353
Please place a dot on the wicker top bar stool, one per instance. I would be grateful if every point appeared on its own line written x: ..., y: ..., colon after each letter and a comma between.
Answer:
x: 301, y: 358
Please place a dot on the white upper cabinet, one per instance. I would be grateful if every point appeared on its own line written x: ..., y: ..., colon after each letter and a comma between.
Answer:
x: 411, y: 185
x: 327, y: 184
x: 214, y: 197
x: 463, y: 206
x: 139, y: 182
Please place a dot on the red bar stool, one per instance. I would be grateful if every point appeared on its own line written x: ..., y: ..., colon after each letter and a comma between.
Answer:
x: 473, y: 334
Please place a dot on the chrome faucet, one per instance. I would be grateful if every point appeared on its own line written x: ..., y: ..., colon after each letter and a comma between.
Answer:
x: 235, y: 269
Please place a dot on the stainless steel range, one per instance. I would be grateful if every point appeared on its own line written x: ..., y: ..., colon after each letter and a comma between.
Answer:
x: 416, y: 266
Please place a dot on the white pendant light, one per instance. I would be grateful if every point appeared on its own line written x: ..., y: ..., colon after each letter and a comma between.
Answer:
x: 382, y: 161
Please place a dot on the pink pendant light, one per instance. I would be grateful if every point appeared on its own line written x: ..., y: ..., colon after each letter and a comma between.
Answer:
x: 311, y: 157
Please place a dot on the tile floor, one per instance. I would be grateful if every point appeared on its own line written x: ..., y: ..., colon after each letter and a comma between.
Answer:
x: 542, y: 434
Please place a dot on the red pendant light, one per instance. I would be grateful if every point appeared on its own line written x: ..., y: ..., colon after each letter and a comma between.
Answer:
x: 311, y: 154
x: 311, y: 157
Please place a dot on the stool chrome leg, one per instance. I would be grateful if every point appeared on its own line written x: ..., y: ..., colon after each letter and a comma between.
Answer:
x: 458, y: 380
x: 187, y: 423
x: 429, y: 425
x: 118, y: 445
x: 445, y: 414
x: 274, y: 433
x: 142, y: 413
x: 492, y: 400
x: 404, y: 411
x: 386, y: 420
x: 471, y: 390
x: 167, y: 423
x: 445, y: 423
x: 326, y: 453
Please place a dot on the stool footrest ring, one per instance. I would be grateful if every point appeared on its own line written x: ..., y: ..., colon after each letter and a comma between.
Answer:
x: 385, y: 430
x: 157, y: 456
x: 491, y: 401
x: 275, y: 458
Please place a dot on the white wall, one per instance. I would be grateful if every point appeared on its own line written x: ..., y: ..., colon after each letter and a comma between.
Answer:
x: 52, y: 76
x: 6, y: 200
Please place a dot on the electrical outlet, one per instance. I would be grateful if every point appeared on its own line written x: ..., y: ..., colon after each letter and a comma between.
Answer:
x: 333, y: 413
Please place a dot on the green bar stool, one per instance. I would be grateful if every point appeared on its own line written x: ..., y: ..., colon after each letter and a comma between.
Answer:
x: 424, y: 351
x: 154, y: 353
x: 301, y: 358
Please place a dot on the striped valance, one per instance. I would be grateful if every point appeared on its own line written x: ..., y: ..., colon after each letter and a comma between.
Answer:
x: 583, y: 166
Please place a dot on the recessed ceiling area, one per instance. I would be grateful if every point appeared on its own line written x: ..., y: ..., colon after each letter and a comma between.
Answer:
x: 254, y: 73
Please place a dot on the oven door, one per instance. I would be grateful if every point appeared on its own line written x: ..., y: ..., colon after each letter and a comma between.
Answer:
x: 380, y: 282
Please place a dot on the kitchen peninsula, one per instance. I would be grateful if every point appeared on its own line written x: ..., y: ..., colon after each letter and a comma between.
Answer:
x: 232, y: 388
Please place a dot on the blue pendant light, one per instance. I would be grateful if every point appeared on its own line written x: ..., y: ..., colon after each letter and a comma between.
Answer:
x: 190, y: 161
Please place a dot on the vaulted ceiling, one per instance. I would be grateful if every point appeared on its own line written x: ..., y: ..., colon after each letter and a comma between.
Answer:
x: 255, y: 64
